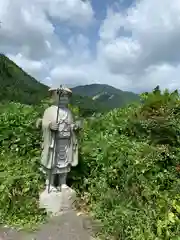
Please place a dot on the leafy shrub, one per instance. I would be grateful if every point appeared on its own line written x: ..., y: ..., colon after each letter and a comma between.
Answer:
x: 131, y: 158
x: 20, y: 178
x: 128, y: 171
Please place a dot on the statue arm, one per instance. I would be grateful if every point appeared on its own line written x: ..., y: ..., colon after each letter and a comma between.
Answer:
x: 49, y: 119
x: 77, y: 125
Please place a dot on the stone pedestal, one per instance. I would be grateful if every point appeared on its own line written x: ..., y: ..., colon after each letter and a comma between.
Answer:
x: 57, y: 202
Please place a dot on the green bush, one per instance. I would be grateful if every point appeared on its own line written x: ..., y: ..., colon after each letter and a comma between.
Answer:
x: 128, y: 171
x: 131, y: 158
x: 20, y: 178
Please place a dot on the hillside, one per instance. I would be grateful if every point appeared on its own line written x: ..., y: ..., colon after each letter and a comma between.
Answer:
x: 87, y: 106
x: 130, y: 158
x: 17, y: 85
x: 128, y: 171
x: 106, y: 95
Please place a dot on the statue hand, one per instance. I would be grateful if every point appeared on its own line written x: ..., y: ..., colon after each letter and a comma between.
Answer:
x: 74, y: 126
x: 79, y: 124
x: 54, y: 126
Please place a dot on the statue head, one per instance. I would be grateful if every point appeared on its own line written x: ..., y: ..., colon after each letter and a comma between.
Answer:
x: 60, y: 96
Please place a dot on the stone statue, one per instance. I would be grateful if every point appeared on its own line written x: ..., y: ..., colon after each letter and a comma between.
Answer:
x: 60, y: 146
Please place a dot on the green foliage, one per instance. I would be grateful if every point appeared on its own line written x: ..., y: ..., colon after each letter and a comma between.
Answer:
x: 87, y: 106
x: 131, y: 168
x: 128, y: 171
x: 20, y: 178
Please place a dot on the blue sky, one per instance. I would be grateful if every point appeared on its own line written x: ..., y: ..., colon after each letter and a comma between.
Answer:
x: 132, y: 45
x: 100, y: 8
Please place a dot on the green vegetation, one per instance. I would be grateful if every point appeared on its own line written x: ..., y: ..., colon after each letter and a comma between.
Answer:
x: 20, y: 178
x: 131, y: 169
x: 105, y: 96
x: 128, y: 172
x: 87, y: 107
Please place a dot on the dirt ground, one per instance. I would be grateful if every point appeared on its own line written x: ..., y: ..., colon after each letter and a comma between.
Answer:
x: 68, y: 226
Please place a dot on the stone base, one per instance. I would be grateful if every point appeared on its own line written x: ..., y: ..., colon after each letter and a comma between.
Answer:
x: 57, y: 202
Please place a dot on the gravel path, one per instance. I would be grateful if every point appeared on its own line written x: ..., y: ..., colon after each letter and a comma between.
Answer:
x: 65, y: 227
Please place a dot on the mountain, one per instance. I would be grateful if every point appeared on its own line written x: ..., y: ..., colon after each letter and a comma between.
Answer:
x: 87, y: 105
x: 106, y: 95
x: 17, y: 85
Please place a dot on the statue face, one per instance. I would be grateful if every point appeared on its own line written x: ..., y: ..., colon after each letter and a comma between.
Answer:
x: 64, y: 100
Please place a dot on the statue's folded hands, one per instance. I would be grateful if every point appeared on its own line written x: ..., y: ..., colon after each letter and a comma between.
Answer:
x: 54, y: 126
x: 74, y: 126
x: 77, y: 125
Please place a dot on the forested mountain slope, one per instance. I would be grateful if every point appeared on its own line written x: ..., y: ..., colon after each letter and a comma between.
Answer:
x: 17, y: 85
x: 106, y: 95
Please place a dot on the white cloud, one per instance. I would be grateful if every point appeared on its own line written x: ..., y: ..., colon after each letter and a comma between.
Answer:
x: 76, y: 12
x: 164, y: 75
x: 68, y: 75
x: 27, y: 23
x: 138, y: 48
x: 122, y: 55
x: 33, y: 67
x: 151, y: 42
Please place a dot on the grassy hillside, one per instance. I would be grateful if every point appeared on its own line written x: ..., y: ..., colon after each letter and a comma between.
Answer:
x: 128, y: 172
x: 106, y: 95
x: 17, y: 85
x: 130, y: 159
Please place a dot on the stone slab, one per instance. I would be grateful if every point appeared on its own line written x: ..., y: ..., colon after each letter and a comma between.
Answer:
x: 57, y: 202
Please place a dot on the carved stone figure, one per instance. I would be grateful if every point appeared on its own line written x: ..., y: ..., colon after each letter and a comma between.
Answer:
x: 60, y: 146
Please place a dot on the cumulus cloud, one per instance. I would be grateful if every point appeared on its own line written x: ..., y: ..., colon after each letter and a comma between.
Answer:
x: 143, y: 43
x: 25, y: 24
x: 76, y: 12
x: 68, y: 75
x: 134, y: 49
x: 32, y: 66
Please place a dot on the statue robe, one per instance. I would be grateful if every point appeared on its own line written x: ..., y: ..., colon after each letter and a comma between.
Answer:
x: 66, y: 147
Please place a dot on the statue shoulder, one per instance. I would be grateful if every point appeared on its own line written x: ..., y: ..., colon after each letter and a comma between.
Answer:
x: 49, y: 114
x: 50, y: 109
